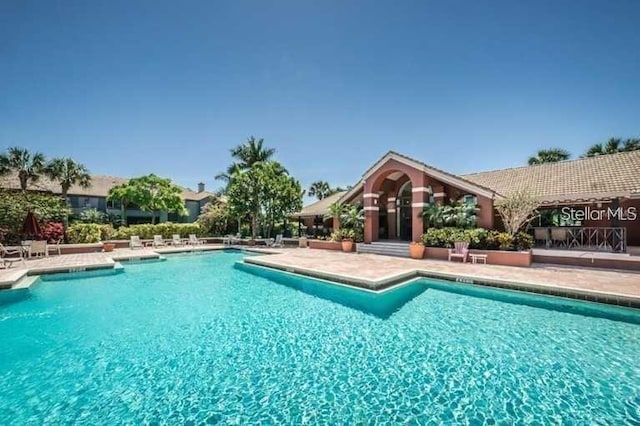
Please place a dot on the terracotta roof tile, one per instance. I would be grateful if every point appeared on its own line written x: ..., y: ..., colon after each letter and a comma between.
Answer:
x: 319, y: 208
x: 604, y: 176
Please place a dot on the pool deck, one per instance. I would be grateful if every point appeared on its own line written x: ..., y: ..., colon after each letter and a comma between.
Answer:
x: 9, y: 278
x: 373, y: 272
x: 377, y: 272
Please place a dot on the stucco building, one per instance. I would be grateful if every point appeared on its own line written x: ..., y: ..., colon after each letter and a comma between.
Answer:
x: 396, y: 189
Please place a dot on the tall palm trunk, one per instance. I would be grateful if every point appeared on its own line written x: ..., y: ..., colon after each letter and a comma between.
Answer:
x: 65, y: 219
x: 254, y: 225
x: 23, y: 180
x: 123, y: 215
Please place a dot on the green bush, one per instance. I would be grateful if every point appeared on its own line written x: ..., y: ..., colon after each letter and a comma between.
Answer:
x: 16, y: 204
x: 84, y: 233
x: 343, y: 234
x: 147, y: 231
x: 523, y: 241
x: 106, y: 232
x: 478, y: 238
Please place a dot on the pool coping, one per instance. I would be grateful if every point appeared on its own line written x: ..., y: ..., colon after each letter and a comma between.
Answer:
x: 394, y: 280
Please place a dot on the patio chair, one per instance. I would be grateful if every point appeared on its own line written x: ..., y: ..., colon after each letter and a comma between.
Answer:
x: 135, y: 242
x: 38, y: 249
x: 176, y: 240
x: 460, y: 250
x: 559, y: 237
x: 541, y: 236
x: 158, y: 241
x: 226, y: 241
x: 193, y: 240
x: 55, y: 248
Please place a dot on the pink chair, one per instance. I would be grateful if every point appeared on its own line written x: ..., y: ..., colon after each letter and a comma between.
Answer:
x: 460, y: 250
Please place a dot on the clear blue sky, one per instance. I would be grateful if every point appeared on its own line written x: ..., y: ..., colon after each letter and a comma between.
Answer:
x: 132, y: 87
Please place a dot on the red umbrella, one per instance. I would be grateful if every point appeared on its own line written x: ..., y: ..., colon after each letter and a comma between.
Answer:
x: 31, y: 228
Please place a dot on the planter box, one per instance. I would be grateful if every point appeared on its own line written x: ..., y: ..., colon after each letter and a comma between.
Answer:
x: 494, y: 257
x: 79, y: 248
x: 328, y: 245
x: 119, y: 243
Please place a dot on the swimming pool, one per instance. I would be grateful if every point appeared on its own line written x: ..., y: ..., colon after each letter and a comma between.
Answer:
x: 196, y: 339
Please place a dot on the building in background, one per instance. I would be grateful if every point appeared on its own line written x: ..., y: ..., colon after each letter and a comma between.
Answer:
x: 95, y: 197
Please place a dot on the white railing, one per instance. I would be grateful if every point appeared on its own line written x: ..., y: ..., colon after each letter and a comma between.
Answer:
x: 613, y: 240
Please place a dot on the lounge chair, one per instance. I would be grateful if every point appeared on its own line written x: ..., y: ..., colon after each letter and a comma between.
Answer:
x: 176, y: 240
x: 460, y: 250
x: 135, y: 242
x: 158, y: 241
x: 276, y: 243
x: 55, y: 248
x: 38, y: 249
x: 193, y: 240
x: 7, y: 263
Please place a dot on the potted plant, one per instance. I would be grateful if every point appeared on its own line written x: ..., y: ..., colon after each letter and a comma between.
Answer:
x: 107, y: 247
x: 346, y: 237
x: 416, y: 250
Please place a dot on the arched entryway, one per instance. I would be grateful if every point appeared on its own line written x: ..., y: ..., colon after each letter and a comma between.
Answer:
x: 404, y: 212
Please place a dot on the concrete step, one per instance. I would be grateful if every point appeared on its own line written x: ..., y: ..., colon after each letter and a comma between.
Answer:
x: 387, y: 249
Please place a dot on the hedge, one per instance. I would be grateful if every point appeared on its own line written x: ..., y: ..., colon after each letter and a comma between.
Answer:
x: 84, y: 233
x: 95, y: 232
x: 166, y: 229
x: 478, y: 238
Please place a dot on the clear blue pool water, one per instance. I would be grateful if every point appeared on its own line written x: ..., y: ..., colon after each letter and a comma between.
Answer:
x: 195, y: 339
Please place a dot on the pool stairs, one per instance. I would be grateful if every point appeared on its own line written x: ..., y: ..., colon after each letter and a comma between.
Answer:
x: 386, y: 248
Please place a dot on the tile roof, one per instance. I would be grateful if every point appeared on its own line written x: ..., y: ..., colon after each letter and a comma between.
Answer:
x: 319, y: 208
x: 604, y: 176
x: 100, y: 186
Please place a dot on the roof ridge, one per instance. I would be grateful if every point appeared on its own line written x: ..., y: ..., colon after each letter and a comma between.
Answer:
x: 572, y: 160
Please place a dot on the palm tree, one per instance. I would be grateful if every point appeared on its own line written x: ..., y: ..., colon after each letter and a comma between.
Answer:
x: 68, y: 173
x: 246, y: 155
x: 319, y: 189
x: 228, y: 175
x: 28, y: 166
x: 251, y: 153
x: 613, y: 146
x: 552, y: 155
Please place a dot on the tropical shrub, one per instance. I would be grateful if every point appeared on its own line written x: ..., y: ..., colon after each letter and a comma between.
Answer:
x: 343, y: 234
x: 16, y: 205
x: 478, y: 238
x: 106, y: 232
x: 84, y: 233
x: 454, y: 214
x: 52, y: 232
x: 92, y: 216
x: 523, y: 241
